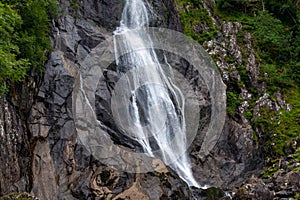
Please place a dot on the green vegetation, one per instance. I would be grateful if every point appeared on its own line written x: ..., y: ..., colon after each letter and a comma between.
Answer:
x: 233, y: 102
x: 195, y: 21
x: 271, y: 170
x: 214, y: 193
x: 275, y: 26
x: 281, y: 128
x: 24, y: 38
x: 275, y: 29
x: 17, y: 196
x: 74, y: 5
x: 11, y: 68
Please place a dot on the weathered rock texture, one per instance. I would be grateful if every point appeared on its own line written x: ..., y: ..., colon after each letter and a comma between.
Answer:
x: 62, y: 168
x: 42, y: 154
x: 14, y: 152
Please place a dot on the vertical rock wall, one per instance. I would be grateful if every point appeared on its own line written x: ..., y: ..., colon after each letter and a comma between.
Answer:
x: 62, y: 168
x: 42, y: 155
x: 14, y: 152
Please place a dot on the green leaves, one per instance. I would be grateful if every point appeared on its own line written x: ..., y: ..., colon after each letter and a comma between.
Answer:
x: 272, y: 38
x: 239, y: 7
x: 196, y: 21
x: 12, y: 69
x: 275, y: 29
x: 24, y: 38
x: 233, y: 102
x: 34, y: 40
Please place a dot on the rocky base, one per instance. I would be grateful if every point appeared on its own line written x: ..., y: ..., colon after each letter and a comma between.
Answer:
x: 19, y: 196
x: 282, y: 185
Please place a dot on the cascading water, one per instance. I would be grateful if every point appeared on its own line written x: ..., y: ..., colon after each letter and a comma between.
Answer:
x: 157, y: 105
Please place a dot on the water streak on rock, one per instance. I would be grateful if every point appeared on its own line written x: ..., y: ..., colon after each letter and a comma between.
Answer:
x: 155, y: 117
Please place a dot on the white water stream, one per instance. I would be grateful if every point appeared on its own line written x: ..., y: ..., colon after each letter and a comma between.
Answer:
x: 157, y: 105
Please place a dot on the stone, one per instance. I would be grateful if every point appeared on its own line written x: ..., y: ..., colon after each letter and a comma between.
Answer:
x: 254, y: 189
x: 14, y: 150
x: 42, y: 153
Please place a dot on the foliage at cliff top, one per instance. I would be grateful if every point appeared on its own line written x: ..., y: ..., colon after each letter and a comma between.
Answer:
x: 196, y: 21
x: 24, y: 38
x: 275, y: 26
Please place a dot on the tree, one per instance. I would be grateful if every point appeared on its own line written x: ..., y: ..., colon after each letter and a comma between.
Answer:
x: 24, y: 38
x: 12, y: 68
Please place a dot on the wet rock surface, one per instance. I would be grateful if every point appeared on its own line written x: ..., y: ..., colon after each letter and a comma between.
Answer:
x: 46, y: 159
x: 254, y: 189
x: 62, y: 167
x: 14, y: 150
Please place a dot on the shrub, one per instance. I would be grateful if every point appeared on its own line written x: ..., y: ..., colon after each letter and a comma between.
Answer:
x: 12, y: 69
x: 24, y: 38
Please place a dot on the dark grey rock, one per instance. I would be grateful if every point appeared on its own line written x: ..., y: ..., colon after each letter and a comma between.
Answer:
x: 14, y: 150
x: 254, y: 189
x: 53, y: 164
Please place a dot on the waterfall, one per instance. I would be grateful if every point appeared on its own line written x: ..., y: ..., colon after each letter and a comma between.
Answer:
x: 156, y: 104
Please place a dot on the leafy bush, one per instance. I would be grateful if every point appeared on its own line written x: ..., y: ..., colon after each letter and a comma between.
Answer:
x: 11, y: 68
x: 275, y: 29
x: 281, y: 129
x: 24, y: 38
x: 238, y: 8
x: 271, y: 37
x: 34, y: 40
x: 285, y: 10
x: 196, y: 21
x: 233, y: 102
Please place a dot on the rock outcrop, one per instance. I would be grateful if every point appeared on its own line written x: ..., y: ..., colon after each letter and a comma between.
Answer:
x: 14, y: 151
x: 43, y: 156
x: 62, y: 167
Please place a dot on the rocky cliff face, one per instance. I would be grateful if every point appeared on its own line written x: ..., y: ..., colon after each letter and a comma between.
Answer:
x: 14, y: 150
x: 44, y: 157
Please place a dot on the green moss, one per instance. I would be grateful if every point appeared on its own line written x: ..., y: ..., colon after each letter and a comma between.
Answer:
x: 297, y: 195
x: 248, y: 115
x: 214, y: 193
x: 17, y: 196
x: 296, y: 168
x: 245, y: 78
x: 276, y: 43
x: 277, y: 48
x: 74, y: 5
x: 270, y: 171
x: 196, y: 21
x: 233, y: 102
x: 105, y: 175
x: 281, y: 128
